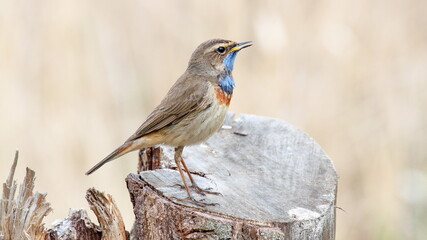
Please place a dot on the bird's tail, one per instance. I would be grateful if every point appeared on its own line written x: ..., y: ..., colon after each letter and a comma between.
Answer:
x: 123, y: 149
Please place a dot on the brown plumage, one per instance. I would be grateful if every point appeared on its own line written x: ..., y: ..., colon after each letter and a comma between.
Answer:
x: 193, y: 109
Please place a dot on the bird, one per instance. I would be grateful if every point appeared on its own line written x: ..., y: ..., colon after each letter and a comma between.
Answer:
x: 193, y: 109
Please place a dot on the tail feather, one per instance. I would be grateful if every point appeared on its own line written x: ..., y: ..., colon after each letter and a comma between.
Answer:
x: 125, y: 148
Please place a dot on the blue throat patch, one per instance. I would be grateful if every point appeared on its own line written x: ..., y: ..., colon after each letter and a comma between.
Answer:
x: 226, y: 83
x: 229, y: 61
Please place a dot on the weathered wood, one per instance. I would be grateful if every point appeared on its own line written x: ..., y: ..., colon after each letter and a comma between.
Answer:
x: 275, y: 183
x: 149, y: 159
x: 21, y: 218
x: 77, y: 226
x: 108, y: 215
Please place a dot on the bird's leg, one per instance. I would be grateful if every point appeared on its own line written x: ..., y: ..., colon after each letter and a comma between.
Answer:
x: 193, y: 183
x: 178, y: 160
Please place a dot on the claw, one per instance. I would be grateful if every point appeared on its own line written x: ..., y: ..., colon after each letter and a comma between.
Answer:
x: 178, y: 185
x: 192, y: 200
x: 179, y: 161
x: 199, y: 190
x: 204, y: 191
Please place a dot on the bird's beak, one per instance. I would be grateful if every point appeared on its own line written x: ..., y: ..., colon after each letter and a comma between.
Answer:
x: 241, y: 45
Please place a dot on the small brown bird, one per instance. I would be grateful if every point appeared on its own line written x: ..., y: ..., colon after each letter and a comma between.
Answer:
x: 193, y: 109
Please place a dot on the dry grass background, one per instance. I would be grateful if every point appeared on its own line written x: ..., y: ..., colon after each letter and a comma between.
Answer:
x: 78, y: 77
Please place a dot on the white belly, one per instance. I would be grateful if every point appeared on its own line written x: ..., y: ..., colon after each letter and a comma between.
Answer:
x: 204, y: 125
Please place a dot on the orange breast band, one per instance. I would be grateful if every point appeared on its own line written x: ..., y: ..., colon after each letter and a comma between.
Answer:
x: 222, y: 97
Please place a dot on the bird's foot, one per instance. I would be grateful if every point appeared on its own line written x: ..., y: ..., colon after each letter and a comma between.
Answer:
x: 199, y: 190
x: 191, y: 200
x: 203, y: 191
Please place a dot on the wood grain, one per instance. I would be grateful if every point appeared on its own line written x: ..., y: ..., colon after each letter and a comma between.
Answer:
x: 275, y: 183
x: 21, y: 215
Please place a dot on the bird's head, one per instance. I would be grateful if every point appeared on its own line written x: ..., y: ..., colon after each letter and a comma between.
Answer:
x: 215, y: 57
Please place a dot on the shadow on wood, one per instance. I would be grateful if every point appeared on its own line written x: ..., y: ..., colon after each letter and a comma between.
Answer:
x: 275, y: 183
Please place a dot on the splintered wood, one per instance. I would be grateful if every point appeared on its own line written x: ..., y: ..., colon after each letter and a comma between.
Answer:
x: 108, y: 214
x: 149, y: 159
x: 77, y: 226
x: 21, y: 217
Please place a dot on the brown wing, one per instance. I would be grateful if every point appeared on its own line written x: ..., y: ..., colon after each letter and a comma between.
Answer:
x: 184, y: 98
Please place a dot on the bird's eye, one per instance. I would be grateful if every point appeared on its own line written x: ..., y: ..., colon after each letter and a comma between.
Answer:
x: 220, y: 50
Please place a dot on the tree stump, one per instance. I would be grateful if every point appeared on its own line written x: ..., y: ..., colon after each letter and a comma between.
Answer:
x: 275, y: 183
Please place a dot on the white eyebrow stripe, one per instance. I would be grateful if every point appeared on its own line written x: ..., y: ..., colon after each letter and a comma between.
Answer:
x: 214, y: 47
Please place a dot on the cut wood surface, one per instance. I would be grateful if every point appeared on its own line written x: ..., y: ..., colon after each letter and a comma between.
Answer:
x: 275, y: 183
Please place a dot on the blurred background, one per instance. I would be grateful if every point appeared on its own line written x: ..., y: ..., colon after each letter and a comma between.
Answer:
x: 78, y: 77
